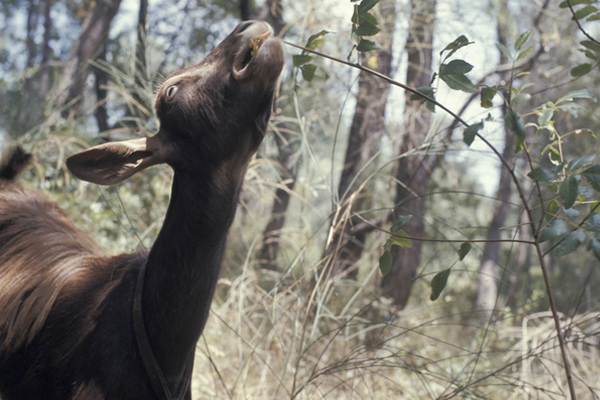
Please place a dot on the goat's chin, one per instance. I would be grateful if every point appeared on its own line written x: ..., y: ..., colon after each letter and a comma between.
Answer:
x: 265, y: 65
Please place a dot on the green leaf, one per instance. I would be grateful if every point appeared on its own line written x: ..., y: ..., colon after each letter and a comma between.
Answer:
x: 525, y: 53
x: 514, y: 124
x: 553, y: 154
x: 367, y: 18
x: 577, y: 163
x: 400, y: 220
x: 568, y: 191
x: 459, y: 82
x: 366, y: 5
x: 438, y: 283
x: 592, y: 174
x: 585, y: 11
x: 313, y: 41
x: 565, y: 4
x: 308, y: 71
x: 400, y: 241
x: 571, y: 213
x: 367, y: 45
x: 426, y: 90
x: 552, y: 209
x: 454, y: 46
x: 487, y: 94
x: 367, y: 29
x: 385, y: 262
x: 589, y: 54
x: 463, y: 250
x: 522, y: 39
x: 554, y: 229
x: 504, y: 51
x: 593, y: 17
x: 470, y: 132
x: 576, y: 94
x: 581, y: 70
x: 541, y: 175
x: 591, y: 45
x: 570, y: 243
x: 593, y: 223
x: 545, y: 116
x: 594, y: 245
x: 301, y: 60
x: 455, y: 67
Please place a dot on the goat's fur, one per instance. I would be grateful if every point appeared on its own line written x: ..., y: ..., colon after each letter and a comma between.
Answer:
x: 66, y: 308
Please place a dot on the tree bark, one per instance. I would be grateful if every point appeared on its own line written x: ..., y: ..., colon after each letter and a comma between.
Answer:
x: 245, y: 10
x: 287, y: 147
x: 141, y: 70
x: 93, y: 32
x: 368, y: 125
x: 487, y: 289
x: 101, y: 93
x: 46, y: 53
x: 413, y: 172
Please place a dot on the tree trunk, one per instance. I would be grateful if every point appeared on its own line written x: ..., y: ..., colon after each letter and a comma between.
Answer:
x: 487, y: 289
x: 101, y: 93
x: 345, y: 248
x: 93, y: 32
x: 141, y: 70
x: 287, y: 148
x: 245, y: 10
x: 46, y: 53
x: 413, y: 173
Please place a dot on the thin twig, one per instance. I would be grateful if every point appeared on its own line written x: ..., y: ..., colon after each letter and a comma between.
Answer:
x: 579, y: 24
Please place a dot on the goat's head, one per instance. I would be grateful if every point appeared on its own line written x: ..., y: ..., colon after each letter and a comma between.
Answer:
x: 209, y: 113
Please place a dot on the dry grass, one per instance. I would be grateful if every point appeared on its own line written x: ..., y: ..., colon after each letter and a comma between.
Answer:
x: 271, y: 344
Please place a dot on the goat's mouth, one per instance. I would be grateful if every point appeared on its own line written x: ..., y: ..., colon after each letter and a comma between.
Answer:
x: 259, y: 51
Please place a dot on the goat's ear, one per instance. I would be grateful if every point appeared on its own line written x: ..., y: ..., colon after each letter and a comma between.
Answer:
x: 114, y: 162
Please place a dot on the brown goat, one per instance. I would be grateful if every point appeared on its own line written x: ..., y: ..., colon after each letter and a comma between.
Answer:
x: 67, y: 309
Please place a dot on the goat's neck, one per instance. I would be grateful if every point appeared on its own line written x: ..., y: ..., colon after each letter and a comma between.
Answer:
x: 184, y: 263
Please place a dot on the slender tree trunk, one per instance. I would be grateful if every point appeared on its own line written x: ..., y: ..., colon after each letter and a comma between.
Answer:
x: 141, y: 70
x: 101, y: 93
x: 287, y: 147
x: 32, y: 18
x: 345, y: 247
x: 28, y: 118
x: 487, y: 288
x: 245, y: 10
x: 413, y: 172
x: 46, y: 53
x: 93, y: 32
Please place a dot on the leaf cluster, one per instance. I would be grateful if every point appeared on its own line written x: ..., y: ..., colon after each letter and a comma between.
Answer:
x: 304, y: 61
x: 453, y: 73
x: 364, y: 24
x: 585, y: 10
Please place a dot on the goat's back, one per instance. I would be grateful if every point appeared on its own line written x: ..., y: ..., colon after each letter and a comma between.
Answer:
x: 63, y: 303
x: 41, y: 254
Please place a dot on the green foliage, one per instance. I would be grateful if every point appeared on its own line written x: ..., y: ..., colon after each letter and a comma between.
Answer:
x: 427, y: 91
x: 364, y: 24
x: 438, y: 283
x: 397, y: 238
x: 304, y: 61
x: 470, y: 133
x: 591, y: 49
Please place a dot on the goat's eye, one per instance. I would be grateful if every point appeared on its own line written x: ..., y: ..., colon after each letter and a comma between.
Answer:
x: 170, y: 92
